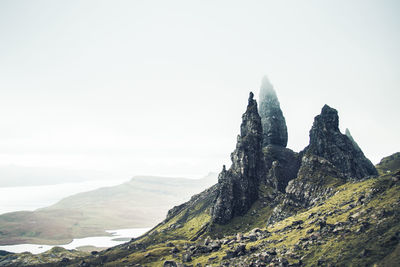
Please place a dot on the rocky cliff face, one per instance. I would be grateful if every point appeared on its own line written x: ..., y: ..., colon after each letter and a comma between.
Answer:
x: 315, y: 181
x: 328, y: 142
x: 329, y: 160
x: 238, y: 186
x: 272, y: 119
x: 295, y: 180
x: 281, y: 165
x: 273, y: 165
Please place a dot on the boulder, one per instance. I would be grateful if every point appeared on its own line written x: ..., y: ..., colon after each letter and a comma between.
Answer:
x: 170, y: 264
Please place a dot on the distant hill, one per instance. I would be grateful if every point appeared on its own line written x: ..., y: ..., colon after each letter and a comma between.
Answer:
x: 13, y: 175
x: 141, y: 202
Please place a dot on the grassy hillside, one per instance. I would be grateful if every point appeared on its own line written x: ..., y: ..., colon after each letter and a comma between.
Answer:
x: 389, y: 164
x: 358, y: 226
x: 141, y: 202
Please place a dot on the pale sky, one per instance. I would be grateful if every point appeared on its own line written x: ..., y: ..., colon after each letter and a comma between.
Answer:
x: 159, y: 87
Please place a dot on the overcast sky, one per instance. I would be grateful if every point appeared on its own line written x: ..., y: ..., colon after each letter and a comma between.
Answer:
x: 159, y: 87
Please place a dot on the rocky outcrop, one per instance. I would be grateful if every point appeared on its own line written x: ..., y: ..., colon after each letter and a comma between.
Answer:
x: 330, y: 160
x: 238, y: 186
x: 315, y: 180
x: 280, y: 165
x: 273, y: 165
x: 272, y: 119
x: 328, y: 142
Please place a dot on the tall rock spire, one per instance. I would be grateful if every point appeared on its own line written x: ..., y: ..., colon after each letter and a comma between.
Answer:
x: 272, y: 119
x: 238, y: 186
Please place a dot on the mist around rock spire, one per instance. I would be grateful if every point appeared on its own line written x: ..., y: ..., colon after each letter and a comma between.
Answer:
x: 272, y: 119
x: 261, y: 158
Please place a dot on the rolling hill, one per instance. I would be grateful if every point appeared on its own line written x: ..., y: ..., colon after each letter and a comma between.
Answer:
x: 141, y: 202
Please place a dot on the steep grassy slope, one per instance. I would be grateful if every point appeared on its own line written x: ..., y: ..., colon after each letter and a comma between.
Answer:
x: 358, y: 226
x: 142, y: 202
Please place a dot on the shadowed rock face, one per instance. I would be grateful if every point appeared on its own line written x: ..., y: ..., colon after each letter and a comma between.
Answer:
x: 314, y: 182
x: 328, y: 142
x: 272, y: 119
x: 281, y: 165
x: 238, y: 186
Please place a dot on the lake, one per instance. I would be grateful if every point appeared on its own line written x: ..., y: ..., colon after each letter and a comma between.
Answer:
x: 97, y: 241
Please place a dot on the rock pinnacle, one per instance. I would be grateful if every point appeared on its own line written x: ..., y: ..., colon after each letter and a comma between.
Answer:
x: 272, y: 119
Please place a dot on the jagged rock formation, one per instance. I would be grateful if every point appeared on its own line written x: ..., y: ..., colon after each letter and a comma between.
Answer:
x: 328, y: 142
x: 238, y: 186
x: 358, y: 223
x: 272, y: 119
x: 273, y: 165
x: 280, y: 164
x: 329, y: 160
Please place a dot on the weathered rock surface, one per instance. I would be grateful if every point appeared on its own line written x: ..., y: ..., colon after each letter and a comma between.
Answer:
x: 330, y: 159
x: 272, y: 119
x: 238, y: 186
x: 280, y: 166
x: 328, y: 142
x: 315, y: 181
x: 273, y: 165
